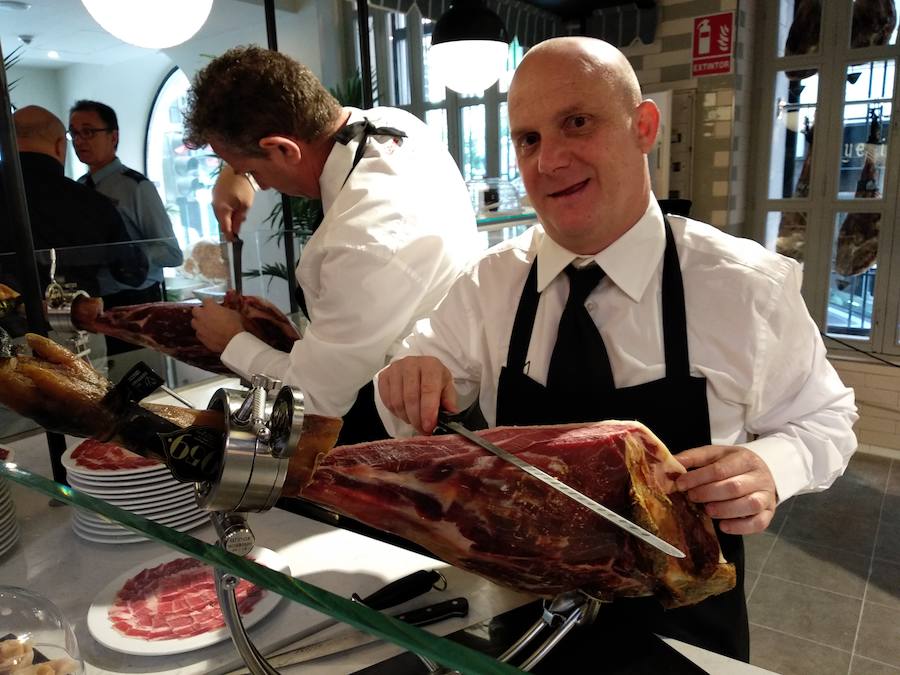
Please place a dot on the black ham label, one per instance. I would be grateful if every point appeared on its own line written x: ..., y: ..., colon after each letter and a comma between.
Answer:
x: 193, y: 454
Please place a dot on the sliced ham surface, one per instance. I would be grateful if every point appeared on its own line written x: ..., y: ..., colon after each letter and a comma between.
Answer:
x: 175, y: 600
x: 483, y: 514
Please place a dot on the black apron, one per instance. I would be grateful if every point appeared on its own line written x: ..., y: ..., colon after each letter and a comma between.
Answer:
x: 675, y: 409
x: 362, y: 422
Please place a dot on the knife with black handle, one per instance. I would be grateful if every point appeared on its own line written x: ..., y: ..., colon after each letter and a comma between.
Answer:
x: 424, y: 616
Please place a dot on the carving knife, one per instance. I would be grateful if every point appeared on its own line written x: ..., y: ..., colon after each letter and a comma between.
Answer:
x: 392, y: 594
x: 237, y: 249
x: 424, y: 616
x: 448, y: 424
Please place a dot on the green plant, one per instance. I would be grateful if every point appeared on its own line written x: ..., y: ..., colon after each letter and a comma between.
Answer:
x: 9, y: 61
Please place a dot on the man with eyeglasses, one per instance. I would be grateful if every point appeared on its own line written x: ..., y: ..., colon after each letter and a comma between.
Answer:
x: 94, y: 132
x: 64, y: 215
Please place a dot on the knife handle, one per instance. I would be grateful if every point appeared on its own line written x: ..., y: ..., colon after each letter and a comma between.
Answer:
x: 425, y: 616
x: 397, y: 592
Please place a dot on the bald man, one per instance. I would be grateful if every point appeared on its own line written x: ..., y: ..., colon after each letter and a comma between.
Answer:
x: 701, y: 336
x: 63, y: 213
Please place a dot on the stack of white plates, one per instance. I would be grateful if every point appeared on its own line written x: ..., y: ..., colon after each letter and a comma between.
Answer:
x: 9, y: 527
x: 121, y: 478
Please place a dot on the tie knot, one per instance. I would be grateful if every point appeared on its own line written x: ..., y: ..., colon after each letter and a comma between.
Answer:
x: 582, y: 281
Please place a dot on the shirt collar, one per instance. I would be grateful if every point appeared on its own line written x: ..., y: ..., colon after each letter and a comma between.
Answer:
x: 114, y: 166
x: 338, y: 164
x: 644, y: 242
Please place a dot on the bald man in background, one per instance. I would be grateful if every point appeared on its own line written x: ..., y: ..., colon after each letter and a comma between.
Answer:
x: 64, y: 213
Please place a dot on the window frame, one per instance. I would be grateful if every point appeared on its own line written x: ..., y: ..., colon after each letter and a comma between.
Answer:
x: 823, y: 204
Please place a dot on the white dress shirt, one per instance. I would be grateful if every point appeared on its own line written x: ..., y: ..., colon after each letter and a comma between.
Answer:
x: 749, y: 334
x: 393, y: 239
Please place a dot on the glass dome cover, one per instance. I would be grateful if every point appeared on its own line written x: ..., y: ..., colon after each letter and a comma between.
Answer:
x: 33, y: 632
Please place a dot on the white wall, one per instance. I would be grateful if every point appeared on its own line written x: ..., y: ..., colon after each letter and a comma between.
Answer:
x: 36, y: 86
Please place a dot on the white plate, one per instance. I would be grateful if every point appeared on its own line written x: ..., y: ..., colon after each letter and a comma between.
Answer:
x: 7, y: 543
x: 72, y: 465
x: 173, y: 489
x: 167, y: 519
x: 127, y: 538
x: 101, y: 628
x: 121, y: 481
x: 151, y: 501
x: 123, y: 535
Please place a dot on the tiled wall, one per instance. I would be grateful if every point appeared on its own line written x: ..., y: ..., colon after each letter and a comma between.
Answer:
x: 877, y: 390
x: 709, y: 123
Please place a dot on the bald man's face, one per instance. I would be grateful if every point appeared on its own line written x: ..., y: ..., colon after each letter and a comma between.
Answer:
x: 581, y: 148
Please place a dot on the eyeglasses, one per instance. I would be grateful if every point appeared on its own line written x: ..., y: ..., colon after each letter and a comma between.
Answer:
x: 87, y: 133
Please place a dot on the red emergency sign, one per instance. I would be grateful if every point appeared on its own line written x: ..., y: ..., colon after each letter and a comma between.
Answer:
x: 713, y: 44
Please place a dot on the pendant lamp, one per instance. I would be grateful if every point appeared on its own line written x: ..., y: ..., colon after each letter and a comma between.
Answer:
x: 469, y: 45
x: 154, y: 24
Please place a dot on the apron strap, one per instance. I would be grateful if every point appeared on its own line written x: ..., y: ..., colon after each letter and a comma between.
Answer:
x: 362, y: 130
x: 524, y: 322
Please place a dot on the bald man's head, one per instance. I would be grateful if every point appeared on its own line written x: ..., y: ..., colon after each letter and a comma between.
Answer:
x: 582, y: 134
x: 593, y: 59
x: 39, y: 130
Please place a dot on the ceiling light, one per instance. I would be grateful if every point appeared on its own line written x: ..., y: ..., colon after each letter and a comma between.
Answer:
x: 154, y: 24
x: 53, y: 54
x: 14, y: 5
x: 469, y: 46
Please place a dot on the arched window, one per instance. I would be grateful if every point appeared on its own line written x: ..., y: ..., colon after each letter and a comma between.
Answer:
x: 183, y: 177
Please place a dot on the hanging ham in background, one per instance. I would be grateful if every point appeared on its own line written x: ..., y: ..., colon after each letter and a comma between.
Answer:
x: 857, y: 241
x: 792, y: 228
x: 873, y: 23
x: 166, y: 326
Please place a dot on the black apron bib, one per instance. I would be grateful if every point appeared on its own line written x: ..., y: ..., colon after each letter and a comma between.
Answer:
x: 675, y: 409
x: 361, y: 423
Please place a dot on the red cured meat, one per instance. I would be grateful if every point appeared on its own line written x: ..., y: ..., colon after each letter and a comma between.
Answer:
x: 166, y: 326
x: 97, y: 456
x: 175, y: 600
x: 482, y: 514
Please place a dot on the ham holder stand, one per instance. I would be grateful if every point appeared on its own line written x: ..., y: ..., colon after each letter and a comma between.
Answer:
x: 262, y: 428
x: 59, y: 299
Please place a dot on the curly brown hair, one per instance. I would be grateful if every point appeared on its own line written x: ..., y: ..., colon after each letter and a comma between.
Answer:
x: 249, y: 93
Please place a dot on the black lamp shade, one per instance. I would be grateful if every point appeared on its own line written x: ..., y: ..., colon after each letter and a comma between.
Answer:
x: 469, y: 20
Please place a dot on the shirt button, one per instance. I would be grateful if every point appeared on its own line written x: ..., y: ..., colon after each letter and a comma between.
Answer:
x: 590, y: 306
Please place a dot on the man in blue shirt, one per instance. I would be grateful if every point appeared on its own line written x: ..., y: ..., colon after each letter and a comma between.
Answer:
x: 94, y: 130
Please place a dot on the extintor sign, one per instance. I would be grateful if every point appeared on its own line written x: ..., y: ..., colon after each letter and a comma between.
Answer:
x: 713, y: 44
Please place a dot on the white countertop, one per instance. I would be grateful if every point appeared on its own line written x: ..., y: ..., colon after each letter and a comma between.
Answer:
x: 53, y: 561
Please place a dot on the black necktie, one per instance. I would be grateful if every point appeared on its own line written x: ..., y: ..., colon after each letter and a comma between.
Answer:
x: 89, y: 181
x: 579, y: 357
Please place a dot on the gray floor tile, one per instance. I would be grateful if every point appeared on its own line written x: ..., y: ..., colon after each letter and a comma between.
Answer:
x: 848, y: 499
x: 780, y: 516
x: 814, y: 565
x: 792, y: 656
x: 879, y: 634
x: 750, y: 578
x: 884, y: 584
x: 888, y: 545
x: 863, y: 666
x: 805, y: 612
x: 846, y: 530
x: 871, y: 470
x: 757, y: 548
x: 893, y: 487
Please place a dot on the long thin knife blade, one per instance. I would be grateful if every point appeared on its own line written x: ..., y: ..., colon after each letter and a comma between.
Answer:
x: 558, y: 485
x: 352, y: 639
x: 237, y: 249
